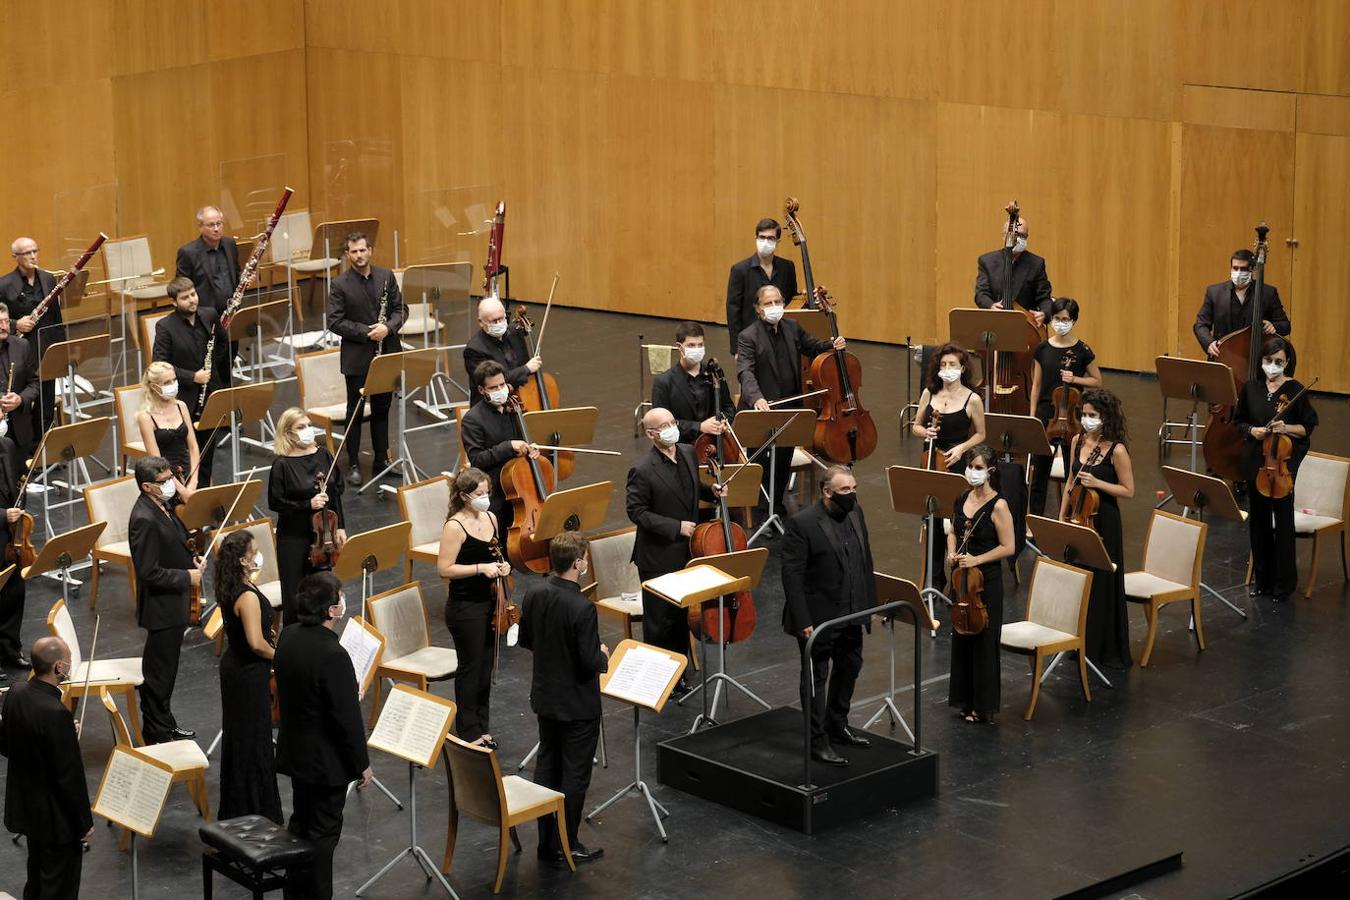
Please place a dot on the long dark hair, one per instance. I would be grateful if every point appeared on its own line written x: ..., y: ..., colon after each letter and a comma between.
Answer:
x: 230, y: 569
x: 1113, y: 417
x: 1274, y: 344
x: 950, y: 348
x: 986, y: 453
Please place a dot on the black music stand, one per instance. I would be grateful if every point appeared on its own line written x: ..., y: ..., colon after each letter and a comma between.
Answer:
x: 992, y: 331
x: 60, y: 360
x: 242, y: 404
x: 61, y: 553
x: 1078, y: 546
x: 71, y: 443
x: 930, y: 495
x: 1016, y: 436
x: 890, y: 590
x: 393, y: 373
x: 246, y: 326
x: 570, y: 427
x: 1203, y: 492
x: 1198, y: 381
x: 756, y: 428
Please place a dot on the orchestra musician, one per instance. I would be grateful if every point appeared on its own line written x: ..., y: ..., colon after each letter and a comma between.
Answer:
x: 166, y: 570
x: 354, y: 313
x: 1062, y: 360
x: 12, y: 595
x: 166, y: 428
x: 827, y: 572
x: 1014, y: 274
x: 468, y: 562
x: 1112, y: 477
x: 685, y: 390
x: 491, y: 437
x: 749, y: 276
x: 1270, y: 522
x: 496, y: 340
x: 18, y: 399
x: 560, y: 628
x: 983, y: 525
x: 768, y: 362
x: 293, y: 494
x: 22, y: 290
x: 181, y: 339
x: 211, y: 261
x: 1225, y: 308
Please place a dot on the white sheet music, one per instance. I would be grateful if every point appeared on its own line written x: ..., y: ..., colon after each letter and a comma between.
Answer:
x: 410, y: 727
x: 361, y: 646
x: 686, y: 582
x: 133, y: 792
x: 642, y: 676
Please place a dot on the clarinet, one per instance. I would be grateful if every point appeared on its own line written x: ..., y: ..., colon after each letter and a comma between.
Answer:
x: 237, y: 300
x: 383, y: 317
x: 40, y: 310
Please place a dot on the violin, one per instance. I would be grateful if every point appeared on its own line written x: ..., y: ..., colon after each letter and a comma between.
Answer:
x: 196, y: 547
x: 20, y: 550
x: 724, y: 452
x: 1013, y: 371
x: 719, y: 536
x: 933, y: 458
x: 527, y: 482
x: 1083, y: 500
x: 845, y: 432
x: 1063, y: 425
x: 1273, y: 479
x: 969, y: 614
x: 323, y: 552
x: 505, y: 614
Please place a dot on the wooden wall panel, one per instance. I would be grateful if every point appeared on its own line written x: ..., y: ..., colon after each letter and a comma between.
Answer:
x: 1117, y: 60
x: 241, y: 28
x: 153, y: 35
x: 54, y: 42
x: 1243, y: 43
x: 1326, y: 37
x: 453, y: 29
x: 1322, y: 224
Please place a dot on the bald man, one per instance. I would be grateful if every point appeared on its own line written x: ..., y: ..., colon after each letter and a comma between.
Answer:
x: 1013, y: 277
x: 21, y: 291
x: 211, y: 261
x: 46, y: 797
x: 498, y: 341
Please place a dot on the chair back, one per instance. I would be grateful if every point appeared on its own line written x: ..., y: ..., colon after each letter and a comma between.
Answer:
x: 214, y: 623
x: 147, y: 324
x: 424, y: 504
x: 119, y: 725
x: 611, y: 563
x: 61, y: 625
x: 1174, y: 548
x: 128, y: 401
x: 319, y: 379
x: 400, y: 616
x: 128, y: 259
x: 477, y: 780
x: 293, y: 238
x: 265, y: 540
x: 1323, y: 486
x: 111, y: 502
x: 1058, y: 596
x: 459, y: 429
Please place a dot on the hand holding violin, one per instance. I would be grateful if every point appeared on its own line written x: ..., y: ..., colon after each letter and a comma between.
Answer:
x: 318, y: 501
x: 965, y: 560
x: 1088, y: 480
x: 499, y: 569
x: 1066, y: 376
x: 12, y: 514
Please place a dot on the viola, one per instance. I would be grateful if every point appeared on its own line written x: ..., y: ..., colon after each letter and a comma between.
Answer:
x: 969, y: 614
x: 845, y: 432
x: 719, y: 536
x: 1084, y: 501
x: 1013, y: 371
x: 20, y: 551
x: 1063, y: 425
x: 933, y: 458
x: 527, y: 482
x: 1274, y: 479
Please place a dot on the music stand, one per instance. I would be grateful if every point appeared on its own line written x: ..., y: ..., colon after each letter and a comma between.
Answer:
x: 813, y: 321
x: 1079, y: 546
x: 572, y: 427
x: 247, y: 325
x: 931, y: 495
x: 575, y: 509
x: 992, y: 331
x: 1205, y: 492
x: 61, y: 551
x: 1198, y: 381
x: 1013, y: 436
x: 890, y: 590
x: 208, y: 506
x: 71, y: 443
x: 242, y: 404
x: 756, y: 428
x: 60, y: 360
x: 389, y: 373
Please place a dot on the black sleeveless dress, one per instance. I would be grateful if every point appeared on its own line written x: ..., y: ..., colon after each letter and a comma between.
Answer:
x: 248, y: 778
x: 952, y: 430
x: 468, y: 615
x: 172, y: 443
x: 1108, y: 623
x: 975, y: 679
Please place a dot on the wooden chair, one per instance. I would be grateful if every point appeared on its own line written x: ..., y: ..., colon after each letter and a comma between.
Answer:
x: 111, y: 502
x: 1173, y: 552
x: 615, y: 575
x: 479, y: 791
x: 424, y: 505
x: 268, y: 578
x: 145, y: 329
x: 128, y: 401
x: 1057, y: 604
x: 114, y: 676
x: 459, y: 430
x: 323, y: 391
x: 401, y: 618
x: 1322, y: 505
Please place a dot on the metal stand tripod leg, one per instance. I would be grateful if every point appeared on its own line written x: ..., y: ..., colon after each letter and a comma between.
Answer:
x: 888, y: 706
x: 773, y: 521
x: 413, y: 850
x: 717, y: 679
x: 1095, y: 671
x: 408, y: 469
x: 929, y: 592
x: 637, y: 785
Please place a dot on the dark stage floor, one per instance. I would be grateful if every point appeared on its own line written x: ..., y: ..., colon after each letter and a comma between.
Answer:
x: 1235, y: 756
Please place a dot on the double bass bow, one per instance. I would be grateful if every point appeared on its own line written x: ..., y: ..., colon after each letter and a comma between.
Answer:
x: 527, y: 482
x: 721, y: 535
x: 845, y: 432
x: 1273, y: 479
x: 969, y: 614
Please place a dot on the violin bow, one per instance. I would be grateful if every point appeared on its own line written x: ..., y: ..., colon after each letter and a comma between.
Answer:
x: 88, y: 675
x: 1279, y: 417
x: 548, y: 307
x: 201, y: 453
x: 229, y: 514
x: 337, y: 454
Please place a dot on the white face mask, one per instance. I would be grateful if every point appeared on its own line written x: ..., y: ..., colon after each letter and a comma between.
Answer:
x: 497, y: 396
x: 307, y: 435
x: 765, y: 247
x: 168, y: 489
x: 342, y: 607
x: 669, y: 435
x: 169, y: 391
x: 694, y: 354
x: 1019, y: 245
x: 481, y: 502
x: 1091, y: 423
x: 582, y: 568
x: 1240, y: 277
x: 949, y: 375
x: 976, y: 477
x: 257, y: 560
x: 1061, y: 326
x: 773, y: 314
x: 1272, y: 370
x: 496, y: 329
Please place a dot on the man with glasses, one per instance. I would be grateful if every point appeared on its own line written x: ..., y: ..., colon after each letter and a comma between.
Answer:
x: 497, y: 341
x: 761, y: 269
x: 22, y: 290
x: 211, y: 261
x: 1226, y: 309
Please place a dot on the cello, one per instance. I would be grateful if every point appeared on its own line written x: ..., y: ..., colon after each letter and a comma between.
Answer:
x: 725, y: 454
x: 526, y: 481
x: 845, y: 432
x: 1013, y: 371
x: 1273, y: 479
x: 714, y: 538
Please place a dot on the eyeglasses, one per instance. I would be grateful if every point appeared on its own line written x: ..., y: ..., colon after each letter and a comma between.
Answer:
x: 32, y: 252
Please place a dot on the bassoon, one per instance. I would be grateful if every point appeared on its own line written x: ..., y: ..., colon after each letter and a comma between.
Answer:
x: 41, y: 308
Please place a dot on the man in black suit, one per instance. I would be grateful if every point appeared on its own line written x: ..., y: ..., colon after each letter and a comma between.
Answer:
x: 354, y: 303
x: 321, y: 739
x: 749, y: 276
x: 1226, y: 309
x: 497, y: 341
x: 685, y: 390
x: 559, y: 625
x: 663, y: 493
x: 46, y: 797
x: 19, y: 397
x: 181, y: 338
x: 768, y: 361
x: 492, y: 438
x: 12, y: 594
x: 22, y: 290
x: 211, y: 261
x: 1014, y: 276
x: 166, y: 571
x: 828, y: 572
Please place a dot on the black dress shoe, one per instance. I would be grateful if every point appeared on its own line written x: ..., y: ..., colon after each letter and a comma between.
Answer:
x: 182, y: 734
x: 1258, y: 591
x: 583, y: 854
x: 850, y: 739
x: 354, y: 475
x: 18, y: 661
x: 827, y: 756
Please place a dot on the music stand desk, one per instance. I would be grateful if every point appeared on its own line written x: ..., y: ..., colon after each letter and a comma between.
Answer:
x: 755, y: 427
x: 208, y: 506
x: 891, y: 590
x: 575, y: 509
x: 1016, y: 435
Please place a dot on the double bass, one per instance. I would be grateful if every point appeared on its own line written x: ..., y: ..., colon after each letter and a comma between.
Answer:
x: 790, y: 209
x: 714, y: 538
x: 1013, y: 371
x: 527, y: 481
x: 845, y: 432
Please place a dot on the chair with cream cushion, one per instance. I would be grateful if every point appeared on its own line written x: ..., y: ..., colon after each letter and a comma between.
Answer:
x: 323, y: 390
x: 424, y: 504
x: 292, y: 246
x: 130, y: 265
x: 1057, y: 603
x: 268, y: 578
x: 128, y: 401
x: 1173, y: 552
x: 479, y: 791
x: 114, y: 675
x: 401, y: 618
x: 111, y: 502
x: 615, y: 575
x: 1321, y: 505
x: 146, y: 325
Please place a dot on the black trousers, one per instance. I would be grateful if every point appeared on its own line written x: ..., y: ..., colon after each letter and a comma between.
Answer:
x: 379, y: 422
x: 292, y: 567
x: 664, y: 624
x: 1040, y: 479
x: 1271, y: 526
x: 159, y: 668
x: 11, y: 617
x: 566, y: 751
x: 839, y: 649
x: 316, y: 816
x: 53, y: 871
x: 470, y: 624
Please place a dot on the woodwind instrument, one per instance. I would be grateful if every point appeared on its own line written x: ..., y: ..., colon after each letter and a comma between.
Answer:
x: 41, y: 308
x: 494, y: 256
x: 382, y: 317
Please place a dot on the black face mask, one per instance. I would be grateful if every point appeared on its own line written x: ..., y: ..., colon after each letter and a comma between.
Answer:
x: 844, y: 502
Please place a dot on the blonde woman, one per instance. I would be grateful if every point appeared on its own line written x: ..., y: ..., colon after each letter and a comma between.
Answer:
x: 166, y: 426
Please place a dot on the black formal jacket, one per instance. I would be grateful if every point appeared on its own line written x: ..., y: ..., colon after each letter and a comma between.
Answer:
x: 671, y: 390
x: 22, y: 422
x: 487, y: 435
x: 11, y: 292
x: 510, y: 352
x: 161, y: 558
x: 192, y: 258
x: 10, y: 473
x: 1215, y: 319
x: 354, y: 305
x: 183, y: 346
x: 661, y: 495
x: 755, y: 364
x: 744, y: 282
x: 559, y: 625
x: 46, y: 797
x: 321, y: 738
x: 813, y: 569
x: 1030, y: 285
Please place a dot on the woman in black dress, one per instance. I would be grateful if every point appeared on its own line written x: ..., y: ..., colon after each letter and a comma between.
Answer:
x: 1100, y: 459
x: 983, y: 517
x: 248, y: 778
x: 1061, y: 360
x: 1270, y: 521
x: 468, y: 561
x: 293, y: 493
x: 165, y: 426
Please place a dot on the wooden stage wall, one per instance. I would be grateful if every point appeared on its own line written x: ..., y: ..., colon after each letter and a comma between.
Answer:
x: 637, y: 143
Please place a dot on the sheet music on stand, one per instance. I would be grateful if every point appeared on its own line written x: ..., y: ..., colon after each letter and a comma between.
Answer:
x: 686, y: 582
x: 413, y: 725
x: 133, y: 790
x: 364, y: 645
x: 643, y: 676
